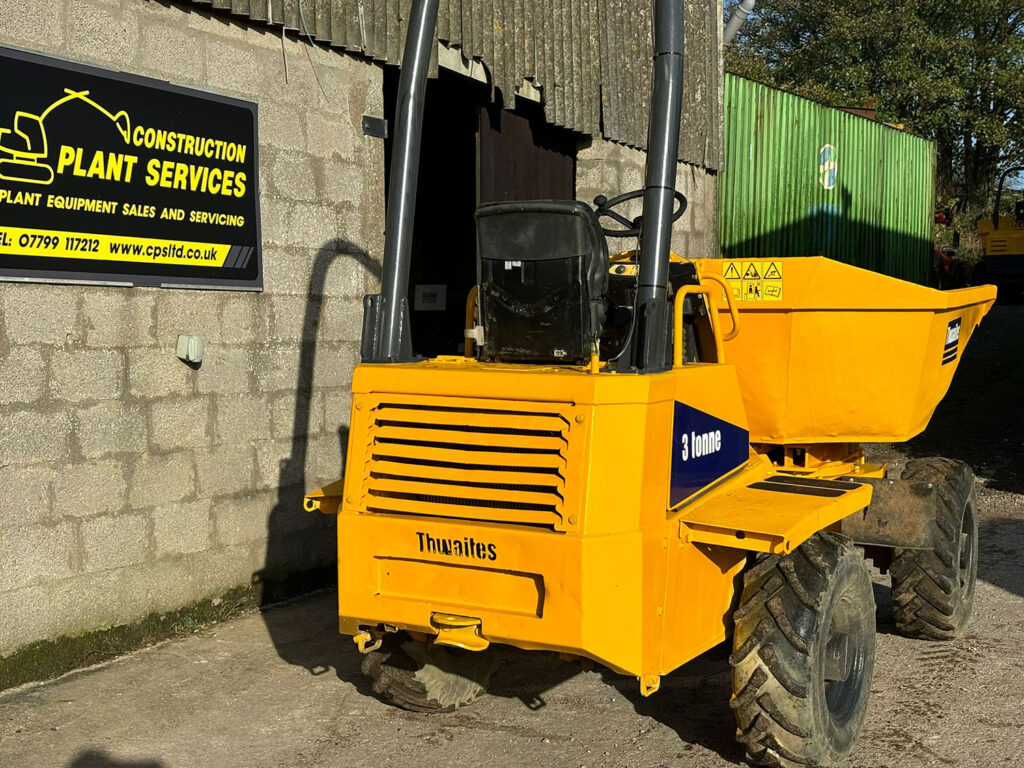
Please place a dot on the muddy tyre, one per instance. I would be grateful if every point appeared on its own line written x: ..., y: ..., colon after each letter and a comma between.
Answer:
x: 803, y: 654
x: 424, y: 677
x: 933, y: 590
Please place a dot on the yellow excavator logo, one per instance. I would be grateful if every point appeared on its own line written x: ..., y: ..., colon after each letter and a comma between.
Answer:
x: 23, y: 150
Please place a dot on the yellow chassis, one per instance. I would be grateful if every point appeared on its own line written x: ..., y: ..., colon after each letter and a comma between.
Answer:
x: 554, y: 508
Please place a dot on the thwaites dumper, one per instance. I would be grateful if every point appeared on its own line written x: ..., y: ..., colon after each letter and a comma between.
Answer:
x: 639, y: 457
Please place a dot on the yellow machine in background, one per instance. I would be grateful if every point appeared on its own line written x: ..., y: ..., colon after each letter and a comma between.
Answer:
x: 637, y: 457
x: 1002, y: 239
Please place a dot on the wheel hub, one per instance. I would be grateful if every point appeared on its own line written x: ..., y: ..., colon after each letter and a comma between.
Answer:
x: 845, y: 656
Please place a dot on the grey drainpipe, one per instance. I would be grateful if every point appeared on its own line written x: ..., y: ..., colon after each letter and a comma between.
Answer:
x: 659, y: 187
x: 739, y: 16
x: 386, y: 334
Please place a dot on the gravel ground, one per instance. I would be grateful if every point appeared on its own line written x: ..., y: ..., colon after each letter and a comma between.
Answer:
x: 282, y: 689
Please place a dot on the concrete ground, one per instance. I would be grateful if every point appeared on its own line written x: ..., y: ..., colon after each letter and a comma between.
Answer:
x: 282, y: 689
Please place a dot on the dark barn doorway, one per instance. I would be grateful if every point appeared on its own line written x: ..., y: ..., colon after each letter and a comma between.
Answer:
x: 473, y: 152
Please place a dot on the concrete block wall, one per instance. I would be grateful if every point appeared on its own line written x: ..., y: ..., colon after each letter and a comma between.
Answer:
x: 130, y: 483
x: 605, y: 168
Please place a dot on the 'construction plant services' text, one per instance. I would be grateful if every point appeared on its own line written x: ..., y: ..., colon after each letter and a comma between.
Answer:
x: 169, y: 174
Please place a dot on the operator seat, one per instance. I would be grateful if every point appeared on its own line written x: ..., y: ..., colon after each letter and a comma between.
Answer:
x: 542, y: 272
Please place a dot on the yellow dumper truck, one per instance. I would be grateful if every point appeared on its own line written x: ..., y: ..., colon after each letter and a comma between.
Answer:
x: 1002, y: 239
x: 640, y: 457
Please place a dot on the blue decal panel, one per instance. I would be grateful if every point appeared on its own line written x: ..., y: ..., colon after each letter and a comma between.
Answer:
x: 952, y: 341
x: 703, y: 449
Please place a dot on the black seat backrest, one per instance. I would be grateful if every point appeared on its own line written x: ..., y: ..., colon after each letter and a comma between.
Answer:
x: 542, y: 268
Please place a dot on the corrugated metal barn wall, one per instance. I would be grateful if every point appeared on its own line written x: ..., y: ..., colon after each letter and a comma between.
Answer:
x: 804, y: 179
x: 591, y: 59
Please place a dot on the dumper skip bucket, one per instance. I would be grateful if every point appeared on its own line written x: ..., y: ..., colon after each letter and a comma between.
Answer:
x: 829, y: 353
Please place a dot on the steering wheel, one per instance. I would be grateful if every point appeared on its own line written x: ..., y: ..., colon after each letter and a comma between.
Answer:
x: 632, y: 228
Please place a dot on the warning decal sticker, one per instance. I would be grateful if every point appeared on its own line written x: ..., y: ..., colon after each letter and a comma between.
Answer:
x: 754, y: 280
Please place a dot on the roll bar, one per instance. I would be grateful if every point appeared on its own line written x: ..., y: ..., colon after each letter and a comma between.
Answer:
x: 386, y: 334
x: 650, y: 349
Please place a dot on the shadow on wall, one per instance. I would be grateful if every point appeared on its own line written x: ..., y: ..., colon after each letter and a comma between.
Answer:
x: 292, y: 538
x: 97, y: 759
x: 827, y: 230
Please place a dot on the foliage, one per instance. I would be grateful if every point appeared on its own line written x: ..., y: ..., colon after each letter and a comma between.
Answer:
x: 952, y: 71
x: 962, y: 235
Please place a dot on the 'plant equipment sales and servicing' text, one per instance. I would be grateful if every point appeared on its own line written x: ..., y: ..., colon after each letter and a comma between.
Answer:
x: 106, y: 174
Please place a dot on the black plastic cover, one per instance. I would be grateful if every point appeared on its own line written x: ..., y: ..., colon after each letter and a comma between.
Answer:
x: 621, y: 298
x: 543, y: 273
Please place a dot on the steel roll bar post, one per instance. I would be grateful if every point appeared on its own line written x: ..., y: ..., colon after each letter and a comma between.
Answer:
x: 659, y: 186
x: 405, y: 159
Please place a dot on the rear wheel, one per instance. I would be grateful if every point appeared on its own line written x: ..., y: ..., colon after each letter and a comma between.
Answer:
x: 933, y: 589
x: 426, y: 677
x: 804, y: 651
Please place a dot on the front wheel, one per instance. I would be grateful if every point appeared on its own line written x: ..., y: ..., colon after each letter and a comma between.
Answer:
x: 804, y: 651
x: 426, y: 677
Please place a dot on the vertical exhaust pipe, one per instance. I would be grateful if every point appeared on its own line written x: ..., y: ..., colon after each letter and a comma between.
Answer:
x: 386, y: 333
x: 659, y: 187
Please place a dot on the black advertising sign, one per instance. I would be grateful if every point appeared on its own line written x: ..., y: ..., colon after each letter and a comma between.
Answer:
x: 108, y: 177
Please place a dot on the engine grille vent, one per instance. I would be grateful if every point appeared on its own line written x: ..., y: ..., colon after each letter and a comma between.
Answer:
x: 480, y: 463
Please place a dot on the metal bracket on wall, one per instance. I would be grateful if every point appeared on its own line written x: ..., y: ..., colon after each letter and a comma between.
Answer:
x: 375, y: 126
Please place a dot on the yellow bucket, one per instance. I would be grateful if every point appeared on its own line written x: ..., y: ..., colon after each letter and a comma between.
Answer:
x: 829, y: 353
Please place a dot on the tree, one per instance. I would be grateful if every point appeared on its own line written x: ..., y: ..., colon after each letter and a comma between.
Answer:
x: 952, y: 71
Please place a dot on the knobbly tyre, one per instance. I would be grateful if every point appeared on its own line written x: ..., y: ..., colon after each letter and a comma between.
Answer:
x: 638, y: 457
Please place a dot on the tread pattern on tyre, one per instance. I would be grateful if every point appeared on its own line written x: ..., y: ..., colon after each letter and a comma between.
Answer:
x: 775, y: 628
x: 927, y: 600
x: 397, y: 674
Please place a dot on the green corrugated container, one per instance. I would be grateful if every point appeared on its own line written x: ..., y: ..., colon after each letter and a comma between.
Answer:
x: 803, y: 179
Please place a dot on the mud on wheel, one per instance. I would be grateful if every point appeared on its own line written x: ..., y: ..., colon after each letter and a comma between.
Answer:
x: 933, y: 590
x: 803, y: 654
x: 424, y: 677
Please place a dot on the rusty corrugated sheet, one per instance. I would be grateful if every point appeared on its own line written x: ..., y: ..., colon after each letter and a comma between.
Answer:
x: 590, y: 59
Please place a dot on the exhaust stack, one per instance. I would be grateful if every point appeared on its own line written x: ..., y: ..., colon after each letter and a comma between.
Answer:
x: 659, y: 187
